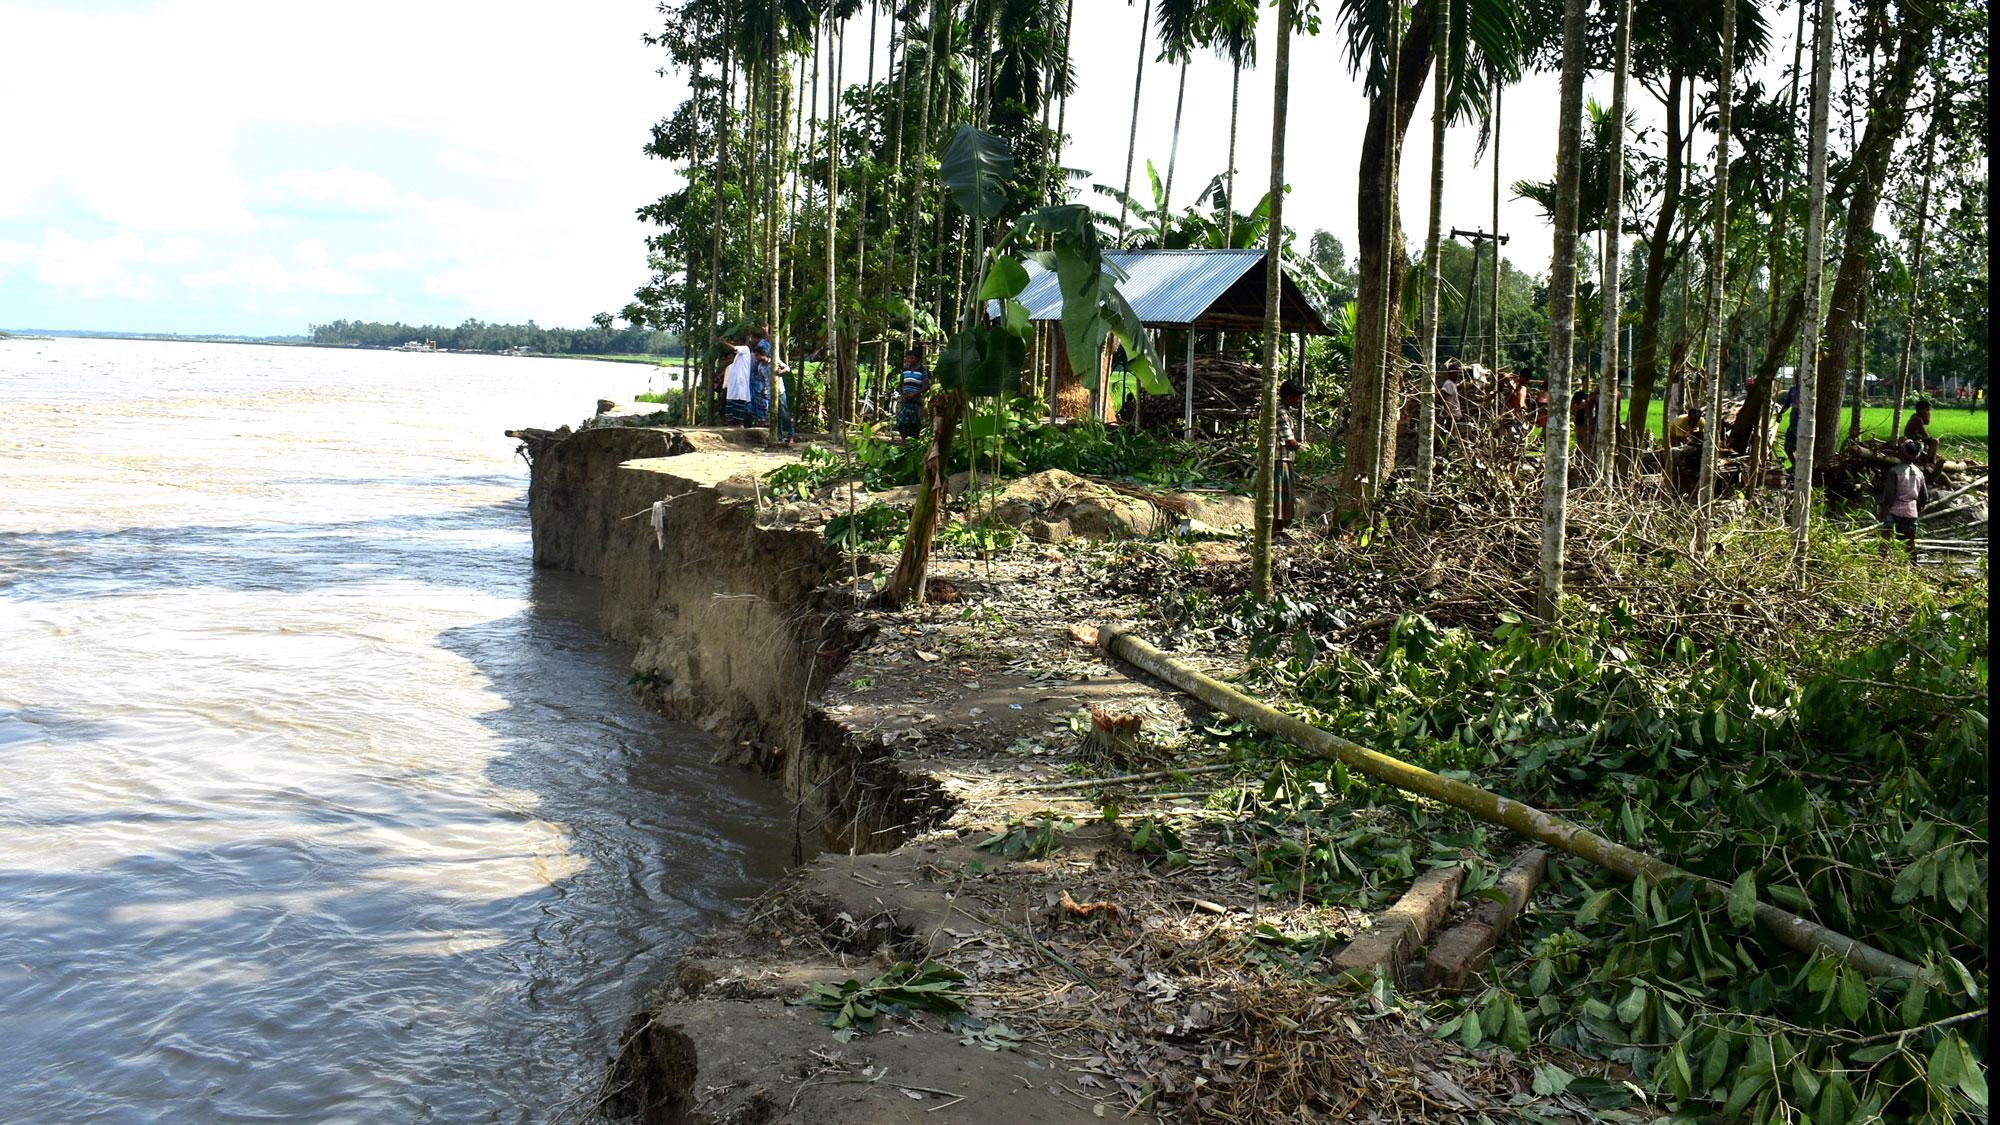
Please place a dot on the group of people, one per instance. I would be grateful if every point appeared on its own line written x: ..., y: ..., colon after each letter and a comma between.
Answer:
x: 751, y: 381
x: 1517, y: 410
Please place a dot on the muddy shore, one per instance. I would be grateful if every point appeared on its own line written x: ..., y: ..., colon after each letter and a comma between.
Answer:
x: 933, y: 759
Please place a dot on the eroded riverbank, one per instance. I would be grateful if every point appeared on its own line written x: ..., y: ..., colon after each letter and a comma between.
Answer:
x: 932, y: 758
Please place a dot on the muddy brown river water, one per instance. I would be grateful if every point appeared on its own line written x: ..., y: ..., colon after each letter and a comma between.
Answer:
x: 317, y: 801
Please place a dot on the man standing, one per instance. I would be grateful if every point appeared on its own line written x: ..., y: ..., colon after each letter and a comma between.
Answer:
x: 1789, y: 403
x: 760, y: 376
x: 767, y: 386
x: 1450, y: 409
x: 1290, y: 400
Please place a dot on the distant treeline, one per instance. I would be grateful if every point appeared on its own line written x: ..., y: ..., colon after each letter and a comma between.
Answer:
x: 478, y: 336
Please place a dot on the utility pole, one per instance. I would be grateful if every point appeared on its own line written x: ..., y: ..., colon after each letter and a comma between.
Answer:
x: 1479, y: 238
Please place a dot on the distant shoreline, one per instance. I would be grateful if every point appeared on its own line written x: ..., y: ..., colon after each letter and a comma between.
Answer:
x: 303, y: 342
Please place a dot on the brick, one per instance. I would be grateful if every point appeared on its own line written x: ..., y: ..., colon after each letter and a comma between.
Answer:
x: 1463, y: 950
x: 1404, y: 926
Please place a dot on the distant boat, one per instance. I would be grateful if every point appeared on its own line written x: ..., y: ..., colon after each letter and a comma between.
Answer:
x: 419, y: 346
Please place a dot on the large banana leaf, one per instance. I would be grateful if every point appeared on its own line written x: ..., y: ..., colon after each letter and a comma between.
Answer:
x: 975, y: 169
x: 1004, y: 280
x: 981, y: 362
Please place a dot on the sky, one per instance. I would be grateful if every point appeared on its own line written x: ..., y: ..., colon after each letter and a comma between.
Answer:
x: 255, y: 168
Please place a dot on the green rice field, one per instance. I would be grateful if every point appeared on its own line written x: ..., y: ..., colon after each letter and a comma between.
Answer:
x: 1960, y: 433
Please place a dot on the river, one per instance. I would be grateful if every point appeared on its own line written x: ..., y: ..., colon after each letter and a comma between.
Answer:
x: 320, y: 803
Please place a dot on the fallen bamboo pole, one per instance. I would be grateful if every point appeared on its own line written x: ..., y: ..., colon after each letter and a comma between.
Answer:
x: 1791, y: 930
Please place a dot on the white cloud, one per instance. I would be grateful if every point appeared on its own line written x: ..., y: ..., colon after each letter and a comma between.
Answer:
x: 94, y: 267
x: 383, y: 260
x: 333, y: 189
x: 262, y: 273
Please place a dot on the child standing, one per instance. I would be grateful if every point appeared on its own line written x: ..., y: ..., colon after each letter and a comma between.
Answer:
x: 1904, y: 492
x: 910, y: 395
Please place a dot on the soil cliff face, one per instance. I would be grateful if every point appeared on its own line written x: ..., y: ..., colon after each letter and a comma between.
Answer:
x: 567, y: 498
x: 717, y: 606
x: 736, y: 623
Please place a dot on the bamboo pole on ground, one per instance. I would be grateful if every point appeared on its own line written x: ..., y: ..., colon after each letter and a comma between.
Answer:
x: 1791, y: 930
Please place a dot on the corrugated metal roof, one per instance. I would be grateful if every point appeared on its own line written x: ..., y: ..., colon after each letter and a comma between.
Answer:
x: 1165, y: 287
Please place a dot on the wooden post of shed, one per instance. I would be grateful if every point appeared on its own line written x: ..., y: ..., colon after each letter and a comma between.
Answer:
x: 1056, y: 360
x: 1187, y: 375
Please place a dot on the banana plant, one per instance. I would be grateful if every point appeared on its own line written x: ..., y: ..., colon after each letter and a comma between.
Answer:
x: 985, y: 357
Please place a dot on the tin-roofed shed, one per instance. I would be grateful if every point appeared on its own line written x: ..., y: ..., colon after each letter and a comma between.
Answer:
x: 1206, y: 290
x: 1189, y: 291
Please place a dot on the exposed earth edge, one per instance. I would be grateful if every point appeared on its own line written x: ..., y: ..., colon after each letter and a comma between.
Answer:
x: 904, y: 741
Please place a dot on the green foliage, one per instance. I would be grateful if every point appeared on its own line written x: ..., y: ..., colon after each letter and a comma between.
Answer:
x: 1155, y: 838
x: 1017, y: 439
x: 478, y: 336
x: 974, y: 170
x: 1850, y: 789
x: 900, y: 989
x: 875, y: 527
x: 1032, y: 838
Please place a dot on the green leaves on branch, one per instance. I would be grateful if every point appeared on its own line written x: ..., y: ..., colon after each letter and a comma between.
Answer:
x: 905, y: 986
x: 986, y: 359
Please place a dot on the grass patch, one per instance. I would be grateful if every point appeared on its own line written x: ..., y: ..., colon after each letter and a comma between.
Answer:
x: 1961, y: 433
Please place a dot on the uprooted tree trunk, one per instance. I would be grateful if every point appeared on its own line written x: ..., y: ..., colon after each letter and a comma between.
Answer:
x: 947, y: 410
x: 1791, y: 930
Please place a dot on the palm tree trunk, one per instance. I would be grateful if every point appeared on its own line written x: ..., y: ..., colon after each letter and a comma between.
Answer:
x: 1382, y: 430
x: 689, y: 331
x: 1752, y: 428
x: 1916, y: 275
x: 852, y: 396
x: 1173, y: 154
x: 920, y: 144
x: 1808, y: 416
x: 1861, y: 322
x: 1433, y: 260
x: 1132, y: 133
x: 1229, y: 173
x: 1717, y: 360
x: 1660, y: 262
x: 1493, y: 311
x: 780, y: 108
x: 1267, y: 411
x: 1888, y: 107
x: 723, y: 95
x: 1562, y: 315
x: 1373, y: 384
x: 836, y: 389
x: 1860, y: 369
x: 1614, y: 237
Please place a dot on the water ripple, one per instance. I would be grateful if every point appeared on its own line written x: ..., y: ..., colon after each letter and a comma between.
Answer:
x: 321, y: 804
